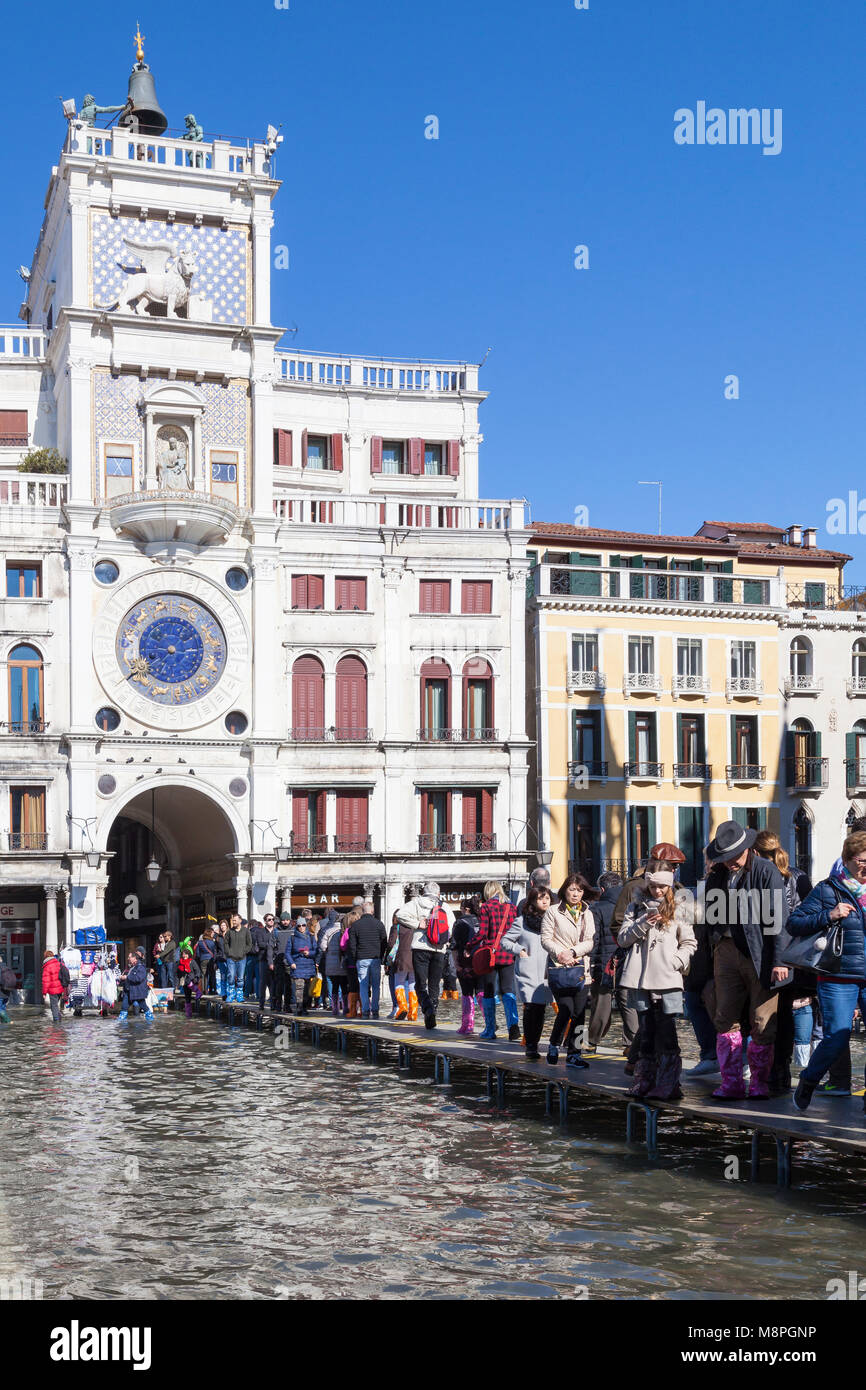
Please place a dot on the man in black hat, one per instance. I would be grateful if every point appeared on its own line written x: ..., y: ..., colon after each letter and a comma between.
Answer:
x: 745, y: 910
x: 282, y: 1001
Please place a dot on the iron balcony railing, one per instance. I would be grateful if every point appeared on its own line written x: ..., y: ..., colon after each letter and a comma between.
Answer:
x: 352, y: 844
x: 442, y: 735
x: 803, y: 684
x: 588, y: 867
x: 745, y: 772
x: 331, y: 735
x: 590, y: 771
x: 848, y: 597
x: 305, y: 845
x: 807, y: 773
x: 643, y: 771
x: 690, y: 685
x: 693, y: 772
x: 587, y: 582
x: 586, y: 680
x: 474, y: 843
x: 308, y: 844
x: 27, y: 839
x: 436, y: 844
x: 855, y: 772
x: 24, y: 726
x: 855, y: 685
x: 743, y: 685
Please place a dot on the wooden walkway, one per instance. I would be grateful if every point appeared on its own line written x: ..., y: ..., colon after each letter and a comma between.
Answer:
x: 838, y: 1124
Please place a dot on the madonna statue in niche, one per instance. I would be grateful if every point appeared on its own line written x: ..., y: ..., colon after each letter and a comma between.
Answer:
x: 172, y: 460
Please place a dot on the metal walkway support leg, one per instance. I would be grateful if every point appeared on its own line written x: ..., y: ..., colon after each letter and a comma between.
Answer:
x: 372, y: 1049
x: 500, y: 1084
x: 755, y: 1162
x: 404, y: 1056
x: 651, y: 1122
x: 260, y: 1022
x: 316, y: 1035
x: 296, y: 1031
x: 784, y: 1154
x: 442, y: 1063
x: 342, y: 1040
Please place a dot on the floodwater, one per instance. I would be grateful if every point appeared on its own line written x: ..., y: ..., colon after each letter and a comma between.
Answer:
x: 185, y: 1159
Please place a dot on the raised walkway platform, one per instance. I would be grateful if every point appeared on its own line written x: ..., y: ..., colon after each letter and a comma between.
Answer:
x: 843, y: 1129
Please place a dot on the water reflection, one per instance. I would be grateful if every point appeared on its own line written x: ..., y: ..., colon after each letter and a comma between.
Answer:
x: 185, y: 1159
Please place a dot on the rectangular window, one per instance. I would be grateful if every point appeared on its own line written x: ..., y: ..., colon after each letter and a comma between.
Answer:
x: 224, y: 473
x: 23, y: 581
x: 584, y: 652
x: 118, y: 470
x: 350, y: 593
x: 815, y: 595
x: 435, y: 596
x: 435, y: 821
x: 744, y: 739
x: 641, y: 658
x: 690, y: 738
x: 317, y: 451
x: 585, y: 840
x: 476, y: 596
x: 750, y: 817
x: 433, y: 460
x: 27, y: 818
x: 744, y: 660
x: 308, y: 591
x: 641, y: 834
x: 308, y: 822
x: 352, y: 828
x: 13, y: 427
x: 586, y: 740
x: 393, y: 456
x: 689, y: 656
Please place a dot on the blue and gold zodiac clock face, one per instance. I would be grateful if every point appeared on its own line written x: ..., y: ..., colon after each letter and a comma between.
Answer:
x: 171, y: 649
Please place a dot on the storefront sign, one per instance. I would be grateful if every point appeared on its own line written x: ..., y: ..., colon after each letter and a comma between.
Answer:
x: 226, y: 902
x: 18, y: 911
x: 339, y: 898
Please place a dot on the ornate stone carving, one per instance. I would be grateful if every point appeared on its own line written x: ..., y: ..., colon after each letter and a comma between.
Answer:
x: 165, y: 278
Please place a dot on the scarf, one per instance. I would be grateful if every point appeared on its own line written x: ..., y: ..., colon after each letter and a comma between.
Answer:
x: 854, y: 886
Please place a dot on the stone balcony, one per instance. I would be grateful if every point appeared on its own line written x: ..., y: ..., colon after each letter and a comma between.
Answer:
x: 158, y: 517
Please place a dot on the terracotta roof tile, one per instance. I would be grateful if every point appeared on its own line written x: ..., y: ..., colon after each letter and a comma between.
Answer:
x: 756, y: 550
x: 736, y: 526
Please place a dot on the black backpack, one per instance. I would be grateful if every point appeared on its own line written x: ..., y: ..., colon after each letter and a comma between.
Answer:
x: 64, y: 975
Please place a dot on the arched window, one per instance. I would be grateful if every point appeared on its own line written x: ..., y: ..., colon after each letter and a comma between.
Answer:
x: 477, y: 699
x: 858, y: 664
x: 25, y: 691
x: 801, y: 657
x: 435, y: 700
x: 308, y: 699
x: 855, y: 756
x: 804, y: 755
x: 351, y: 720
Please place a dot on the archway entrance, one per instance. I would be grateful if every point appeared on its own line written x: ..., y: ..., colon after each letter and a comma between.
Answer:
x: 192, y: 841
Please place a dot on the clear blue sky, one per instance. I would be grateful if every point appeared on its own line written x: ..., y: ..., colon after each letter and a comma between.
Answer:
x: 556, y: 128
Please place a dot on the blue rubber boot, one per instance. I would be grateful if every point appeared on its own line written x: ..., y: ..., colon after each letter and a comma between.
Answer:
x: 509, y: 1004
x: 148, y: 1013
x: 122, y: 1017
x: 489, y: 1033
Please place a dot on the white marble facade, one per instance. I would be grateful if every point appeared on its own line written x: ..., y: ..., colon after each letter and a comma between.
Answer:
x: 141, y: 714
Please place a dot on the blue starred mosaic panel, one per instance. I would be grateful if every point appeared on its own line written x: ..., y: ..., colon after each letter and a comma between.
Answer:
x: 221, y: 276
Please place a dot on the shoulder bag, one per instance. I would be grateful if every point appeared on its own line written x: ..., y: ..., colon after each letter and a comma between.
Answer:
x: 821, y: 952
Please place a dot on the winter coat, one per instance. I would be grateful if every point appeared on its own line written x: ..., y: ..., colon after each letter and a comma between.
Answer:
x: 205, y: 950
x: 237, y: 943
x: 368, y: 939
x: 494, y: 920
x: 657, y: 955
x: 414, y: 914
x: 701, y: 968
x: 560, y: 935
x: 219, y: 944
x: 51, y: 977
x: 530, y: 971
x: 627, y: 895
x: 168, y: 951
x: 402, y: 937
x: 135, y: 983
x: 761, y: 916
x: 605, y: 946
x: 265, y: 944
x: 813, y: 916
x: 304, y: 965
x: 329, y: 950
x: 282, y: 937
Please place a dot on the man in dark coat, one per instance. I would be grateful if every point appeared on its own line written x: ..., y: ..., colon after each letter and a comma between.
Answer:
x: 265, y: 942
x: 282, y: 996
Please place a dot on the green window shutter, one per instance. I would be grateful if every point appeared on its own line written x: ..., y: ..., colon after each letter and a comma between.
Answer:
x: 727, y: 566
x: 678, y: 753
x: 690, y: 844
x: 585, y: 583
x: 614, y: 563
x: 653, y: 740
x: 697, y: 564
x: 636, y: 582
x: 753, y: 591
x: 814, y: 595
x: 850, y: 760
x: 574, y: 718
x: 739, y: 814
x: 733, y: 738
x: 632, y: 735
x: 755, y: 739
x: 651, y: 826
x: 596, y: 731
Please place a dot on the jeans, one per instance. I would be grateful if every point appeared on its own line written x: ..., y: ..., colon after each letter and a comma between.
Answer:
x: 337, y: 984
x: 236, y: 972
x: 170, y: 968
x: 251, y: 976
x: 159, y: 974
x: 803, y: 1021
x: 55, y: 1001
x: 697, y: 1015
x: 369, y: 985
x: 428, y: 967
x: 838, y: 1002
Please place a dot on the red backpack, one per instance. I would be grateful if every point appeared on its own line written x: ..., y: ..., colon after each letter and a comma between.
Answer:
x: 438, y: 929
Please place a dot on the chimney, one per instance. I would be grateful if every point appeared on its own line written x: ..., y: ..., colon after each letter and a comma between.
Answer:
x: 810, y: 538
x: 795, y: 535
x: 731, y: 538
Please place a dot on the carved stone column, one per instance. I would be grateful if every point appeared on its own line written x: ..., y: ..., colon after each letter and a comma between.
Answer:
x: 51, y: 939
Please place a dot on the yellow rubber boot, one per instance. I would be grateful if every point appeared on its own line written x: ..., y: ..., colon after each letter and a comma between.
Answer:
x: 402, y: 1007
x: 413, y: 1006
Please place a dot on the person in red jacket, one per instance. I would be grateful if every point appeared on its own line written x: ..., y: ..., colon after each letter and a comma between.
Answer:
x: 51, y: 983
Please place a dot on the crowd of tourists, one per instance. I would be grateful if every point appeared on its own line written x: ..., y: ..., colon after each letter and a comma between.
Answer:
x: 768, y: 971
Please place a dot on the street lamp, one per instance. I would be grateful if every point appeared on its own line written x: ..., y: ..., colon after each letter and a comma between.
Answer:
x: 152, y: 869
x: 93, y: 857
x: 282, y: 854
x: 543, y: 856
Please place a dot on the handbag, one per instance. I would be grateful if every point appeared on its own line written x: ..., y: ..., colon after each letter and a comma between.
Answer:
x: 564, y: 977
x: 821, y: 952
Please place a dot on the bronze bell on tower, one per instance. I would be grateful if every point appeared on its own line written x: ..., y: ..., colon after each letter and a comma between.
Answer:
x: 143, y: 112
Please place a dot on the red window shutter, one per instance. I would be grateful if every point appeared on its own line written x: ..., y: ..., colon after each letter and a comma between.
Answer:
x: 299, y: 591
x: 303, y: 448
x: 308, y: 694
x: 284, y: 448
x: 321, y: 805
x: 350, y: 593
x: 425, y: 596
x: 351, y: 691
x: 448, y: 807
x: 470, y: 813
x: 435, y: 596
x: 477, y: 596
x: 337, y: 452
x: 486, y: 813
x: 376, y: 454
x: 425, y: 813
x: 352, y: 815
x: 299, y: 816
x: 416, y: 456
x: 454, y: 458
x: 315, y: 591
x: 13, y: 427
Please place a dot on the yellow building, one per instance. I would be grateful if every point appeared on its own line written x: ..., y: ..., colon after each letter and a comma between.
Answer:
x: 659, y: 669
